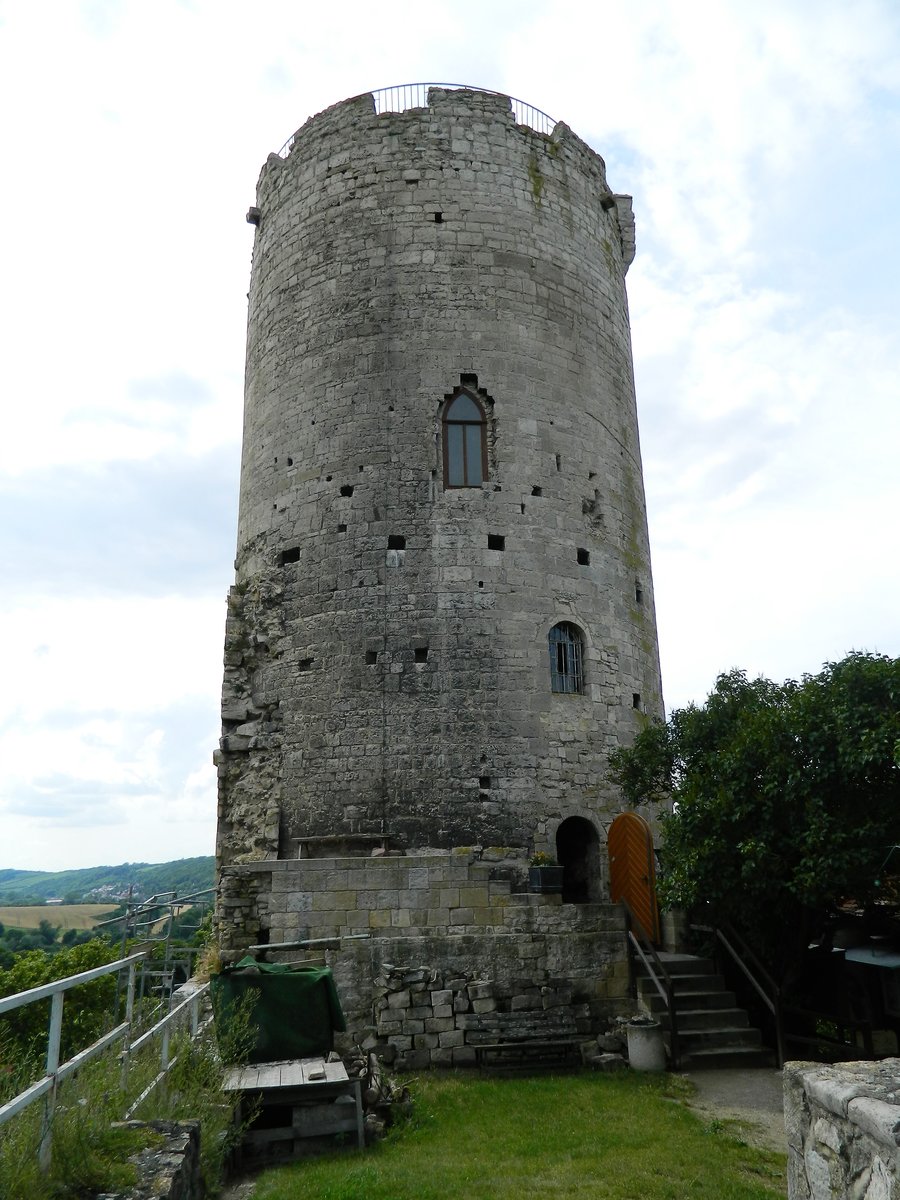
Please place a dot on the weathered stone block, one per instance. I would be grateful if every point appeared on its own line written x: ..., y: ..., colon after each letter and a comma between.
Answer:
x: 484, y: 1006
x: 481, y: 989
x: 463, y: 1056
x: 414, y: 1060
x: 439, y: 1024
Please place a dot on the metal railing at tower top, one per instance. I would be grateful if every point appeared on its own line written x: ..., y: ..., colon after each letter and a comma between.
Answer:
x: 402, y: 96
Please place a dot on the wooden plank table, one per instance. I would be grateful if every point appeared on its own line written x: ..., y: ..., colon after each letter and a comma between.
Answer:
x: 310, y: 1089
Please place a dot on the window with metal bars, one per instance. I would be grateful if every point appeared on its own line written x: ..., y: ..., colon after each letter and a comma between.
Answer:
x: 566, y: 659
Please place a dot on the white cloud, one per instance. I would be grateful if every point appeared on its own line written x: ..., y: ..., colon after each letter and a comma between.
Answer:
x: 761, y: 144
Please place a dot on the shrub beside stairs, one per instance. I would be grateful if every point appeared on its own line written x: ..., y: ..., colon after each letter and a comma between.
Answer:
x: 712, y: 1030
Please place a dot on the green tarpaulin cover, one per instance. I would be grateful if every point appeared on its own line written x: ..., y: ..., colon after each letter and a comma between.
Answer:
x: 295, y: 1013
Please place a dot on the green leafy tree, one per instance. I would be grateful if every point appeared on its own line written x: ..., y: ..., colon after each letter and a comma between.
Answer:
x: 47, y: 932
x: 86, y: 1010
x: 786, y: 797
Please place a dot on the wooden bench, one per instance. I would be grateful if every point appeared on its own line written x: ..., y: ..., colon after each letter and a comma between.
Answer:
x: 305, y: 1097
x: 532, y: 1054
x: 354, y: 844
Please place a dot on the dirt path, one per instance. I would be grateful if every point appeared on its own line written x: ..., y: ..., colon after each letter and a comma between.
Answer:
x: 752, y: 1099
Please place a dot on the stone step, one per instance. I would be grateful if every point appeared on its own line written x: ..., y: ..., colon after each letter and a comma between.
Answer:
x: 712, y: 1030
x: 722, y: 1038
x: 681, y: 964
x: 707, y: 1018
x: 691, y: 1001
x: 727, y: 1058
x: 684, y: 985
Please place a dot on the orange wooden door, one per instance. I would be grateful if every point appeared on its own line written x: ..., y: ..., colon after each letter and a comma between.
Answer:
x: 632, y: 874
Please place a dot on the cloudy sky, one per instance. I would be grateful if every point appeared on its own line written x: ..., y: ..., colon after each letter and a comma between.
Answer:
x: 762, y: 146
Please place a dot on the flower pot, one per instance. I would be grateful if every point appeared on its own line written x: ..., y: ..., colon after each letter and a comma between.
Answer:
x: 546, y: 879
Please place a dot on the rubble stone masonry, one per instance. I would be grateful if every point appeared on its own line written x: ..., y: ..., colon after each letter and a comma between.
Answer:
x: 843, y: 1130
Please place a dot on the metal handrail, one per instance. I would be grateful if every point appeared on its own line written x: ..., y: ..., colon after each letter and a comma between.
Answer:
x: 162, y: 1027
x: 401, y: 96
x: 666, y: 989
x: 55, y: 1071
x: 20, y: 999
x: 771, y: 997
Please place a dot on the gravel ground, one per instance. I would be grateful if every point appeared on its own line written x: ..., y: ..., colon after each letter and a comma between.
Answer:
x: 752, y: 1098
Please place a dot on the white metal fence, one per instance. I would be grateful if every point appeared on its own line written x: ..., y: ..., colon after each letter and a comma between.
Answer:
x: 402, y: 96
x: 55, y: 1071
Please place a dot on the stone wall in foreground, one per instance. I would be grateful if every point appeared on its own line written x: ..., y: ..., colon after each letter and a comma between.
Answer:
x: 843, y: 1130
x: 436, y: 952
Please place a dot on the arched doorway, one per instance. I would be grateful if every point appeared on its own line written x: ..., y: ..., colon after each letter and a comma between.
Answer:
x: 632, y: 872
x: 578, y: 850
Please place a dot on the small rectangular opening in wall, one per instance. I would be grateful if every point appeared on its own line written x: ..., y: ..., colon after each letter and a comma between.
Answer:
x: 537, y: 491
x: 371, y: 658
x: 421, y: 654
x: 396, y: 541
x: 342, y: 528
x: 496, y: 541
x: 635, y: 699
x: 584, y: 557
x: 305, y: 664
x: 638, y: 594
x: 559, y: 462
x: 484, y: 782
x: 290, y: 556
x: 438, y: 218
x: 347, y: 489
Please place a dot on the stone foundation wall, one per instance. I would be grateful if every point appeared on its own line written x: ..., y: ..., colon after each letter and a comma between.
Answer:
x: 170, y: 1171
x: 424, y: 1018
x: 843, y: 1130
x: 503, y: 963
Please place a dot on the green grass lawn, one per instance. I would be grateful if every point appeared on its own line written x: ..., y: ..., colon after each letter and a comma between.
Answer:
x: 624, y: 1136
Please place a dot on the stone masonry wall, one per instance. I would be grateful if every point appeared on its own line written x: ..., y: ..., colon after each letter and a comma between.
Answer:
x: 438, y: 925
x: 843, y: 1130
x: 424, y: 1018
x: 386, y: 654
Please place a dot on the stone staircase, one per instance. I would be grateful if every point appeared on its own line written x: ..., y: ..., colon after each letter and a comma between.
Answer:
x: 712, y: 1030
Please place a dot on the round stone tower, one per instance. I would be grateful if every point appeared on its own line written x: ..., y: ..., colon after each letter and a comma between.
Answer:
x: 443, y: 619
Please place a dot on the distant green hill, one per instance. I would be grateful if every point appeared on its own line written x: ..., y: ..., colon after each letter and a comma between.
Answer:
x: 184, y: 875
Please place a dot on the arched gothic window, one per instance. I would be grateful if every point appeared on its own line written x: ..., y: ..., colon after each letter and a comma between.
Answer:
x: 465, y: 445
x: 566, y: 658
